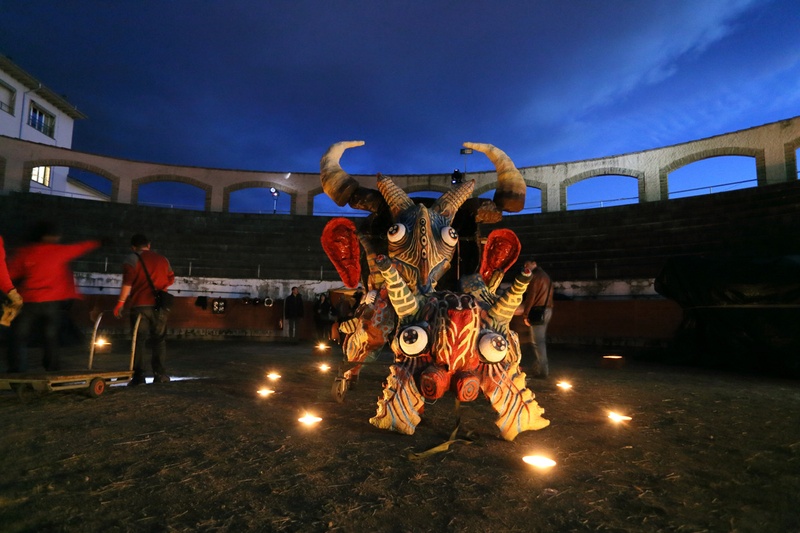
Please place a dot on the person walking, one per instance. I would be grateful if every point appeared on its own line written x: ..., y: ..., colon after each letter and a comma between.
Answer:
x: 144, y: 273
x: 293, y: 310
x: 537, y: 310
x: 42, y: 274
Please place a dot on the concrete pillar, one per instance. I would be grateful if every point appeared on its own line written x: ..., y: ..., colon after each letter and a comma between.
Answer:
x: 216, y: 199
x: 775, y: 162
x: 301, y: 203
x: 14, y: 170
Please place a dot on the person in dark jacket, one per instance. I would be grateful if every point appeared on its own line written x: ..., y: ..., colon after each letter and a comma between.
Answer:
x: 322, y: 317
x: 293, y: 310
x: 534, y: 344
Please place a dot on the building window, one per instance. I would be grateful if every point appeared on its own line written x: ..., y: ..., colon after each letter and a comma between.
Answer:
x: 41, y: 120
x: 7, y: 98
x: 41, y: 175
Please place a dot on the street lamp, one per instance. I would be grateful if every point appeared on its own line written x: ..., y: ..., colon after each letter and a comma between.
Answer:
x: 275, y: 193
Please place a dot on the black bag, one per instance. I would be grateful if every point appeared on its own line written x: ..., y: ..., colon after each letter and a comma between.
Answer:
x: 536, y: 315
x: 164, y: 301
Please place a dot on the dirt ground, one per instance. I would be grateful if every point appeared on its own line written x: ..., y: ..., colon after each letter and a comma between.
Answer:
x: 704, y: 451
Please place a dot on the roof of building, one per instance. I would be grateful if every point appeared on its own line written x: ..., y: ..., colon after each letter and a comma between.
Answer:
x: 29, y: 81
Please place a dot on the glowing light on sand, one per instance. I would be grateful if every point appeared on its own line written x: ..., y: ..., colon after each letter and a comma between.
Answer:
x: 265, y: 392
x: 324, y: 368
x: 563, y: 385
x: 322, y: 346
x: 615, y: 417
x: 309, y: 420
x: 273, y: 376
x: 539, y: 461
x: 612, y: 357
x: 101, y: 342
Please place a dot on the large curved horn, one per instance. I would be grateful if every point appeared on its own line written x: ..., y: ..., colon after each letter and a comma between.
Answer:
x: 448, y: 203
x: 335, y: 181
x: 396, y: 197
x: 511, y: 188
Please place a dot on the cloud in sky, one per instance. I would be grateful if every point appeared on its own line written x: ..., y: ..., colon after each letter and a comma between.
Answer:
x: 270, y: 85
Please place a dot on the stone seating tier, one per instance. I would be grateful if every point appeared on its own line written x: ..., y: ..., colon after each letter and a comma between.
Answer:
x: 622, y: 242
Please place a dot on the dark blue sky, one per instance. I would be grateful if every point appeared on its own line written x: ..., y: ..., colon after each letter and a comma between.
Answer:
x: 266, y: 85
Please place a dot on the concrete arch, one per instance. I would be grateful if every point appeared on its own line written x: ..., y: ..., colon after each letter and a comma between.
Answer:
x: 534, y: 184
x: 757, y: 153
x: 71, y: 163
x: 228, y: 190
x: 773, y: 145
x: 597, y: 172
x: 137, y: 182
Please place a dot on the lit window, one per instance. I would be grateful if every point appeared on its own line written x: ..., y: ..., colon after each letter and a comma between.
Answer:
x: 42, y: 120
x: 7, y: 96
x: 41, y: 175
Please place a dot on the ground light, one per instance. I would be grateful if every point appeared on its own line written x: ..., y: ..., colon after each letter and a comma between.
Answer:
x: 150, y: 380
x: 563, y: 385
x: 265, y: 392
x: 612, y: 361
x: 322, y: 347
x: 539, y: 461
x: 617, y: 418
x: 324, y: 367
x: 309, y: 420
x: 273, y: 376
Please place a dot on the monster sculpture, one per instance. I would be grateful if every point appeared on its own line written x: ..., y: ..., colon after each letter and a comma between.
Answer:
x: 443, y: 340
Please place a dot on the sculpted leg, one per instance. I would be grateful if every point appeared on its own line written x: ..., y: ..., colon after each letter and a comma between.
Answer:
x: 401, y: 404
x: 514, y: 402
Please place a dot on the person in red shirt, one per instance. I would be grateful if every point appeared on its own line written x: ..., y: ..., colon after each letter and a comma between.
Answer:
x: 45, y: 281
x: 153, y: 326
x: 10, y: 309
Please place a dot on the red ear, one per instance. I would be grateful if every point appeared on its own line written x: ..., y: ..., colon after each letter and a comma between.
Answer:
x: 340, y: 242
x: 500, y: 252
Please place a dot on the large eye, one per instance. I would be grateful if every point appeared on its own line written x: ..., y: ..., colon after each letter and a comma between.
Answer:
x: 396, y: 232
x: 449, y: 235
x: 413, y: 340
x: 493, y: 347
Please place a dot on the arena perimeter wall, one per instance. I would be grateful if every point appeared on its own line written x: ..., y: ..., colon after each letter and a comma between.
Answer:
x: 603, y: 260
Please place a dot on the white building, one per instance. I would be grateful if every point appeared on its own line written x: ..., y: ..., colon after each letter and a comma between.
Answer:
x: 32, y: 112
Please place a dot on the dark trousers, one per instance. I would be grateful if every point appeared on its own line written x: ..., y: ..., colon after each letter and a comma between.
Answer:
x: 533, y: 344
x: 48, y: 314
x: 152, y: 332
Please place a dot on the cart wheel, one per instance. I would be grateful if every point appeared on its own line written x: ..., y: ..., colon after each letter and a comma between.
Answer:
x: 97, y: 387
x: 339, y: 389
x: 25, y: 392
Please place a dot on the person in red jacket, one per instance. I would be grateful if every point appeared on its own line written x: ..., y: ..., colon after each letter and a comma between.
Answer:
x: 10, y: 309
x: 153, y: 326
x: 45, y: 281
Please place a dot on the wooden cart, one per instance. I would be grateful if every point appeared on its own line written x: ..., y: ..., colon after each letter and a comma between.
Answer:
x: 28, y: 383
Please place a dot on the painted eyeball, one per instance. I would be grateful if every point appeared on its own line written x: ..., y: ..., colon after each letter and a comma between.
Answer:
x: 493, y: 347
x: 396, y: 232
x: 413, y: 340
x: 449, y: 235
